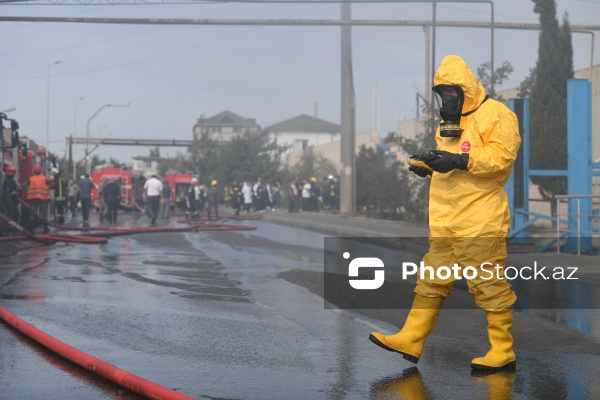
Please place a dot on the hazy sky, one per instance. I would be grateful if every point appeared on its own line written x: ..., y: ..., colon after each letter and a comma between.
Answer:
x: 172, y: 75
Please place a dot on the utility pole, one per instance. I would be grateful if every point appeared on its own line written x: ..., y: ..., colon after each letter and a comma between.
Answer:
x: 347, y: 156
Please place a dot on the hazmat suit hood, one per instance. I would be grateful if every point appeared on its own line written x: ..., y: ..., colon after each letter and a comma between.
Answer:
x: 454, y: 71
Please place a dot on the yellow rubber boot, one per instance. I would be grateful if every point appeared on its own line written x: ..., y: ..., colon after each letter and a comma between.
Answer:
x: 501, y: 355
x: 420, y: 322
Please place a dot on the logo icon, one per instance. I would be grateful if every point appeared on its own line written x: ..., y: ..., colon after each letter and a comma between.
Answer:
x: 465, y: 146
x: 365, y: 262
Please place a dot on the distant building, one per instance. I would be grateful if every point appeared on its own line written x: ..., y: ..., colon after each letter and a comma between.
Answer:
x: 332, y: 151
x: 145, y: 166
x: 300, y: 132
x: 224, y: 126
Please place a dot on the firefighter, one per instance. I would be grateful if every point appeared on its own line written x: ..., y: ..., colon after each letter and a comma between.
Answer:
x: 10, y: 194
x: 333, y: 193
x: 212, y: 200
x: 469, y: 219
x: 192, y: 209
x: 60, y: 195
x: 101, y: 202
x: 236, y: 198
x: 38, y: 197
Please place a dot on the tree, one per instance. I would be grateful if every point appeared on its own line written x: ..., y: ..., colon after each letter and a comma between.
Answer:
x: 500, y: 74
x: 548, y: 98
x: 204, y: 156
x: 417, y: 195
x: 312, y: 165
x: 248, y: 157
x: 526, y: 87
x: 380, y: 190
x: 155, y: 152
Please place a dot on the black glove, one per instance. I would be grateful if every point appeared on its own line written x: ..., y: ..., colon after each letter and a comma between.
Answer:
x: 446, y: 161
x: 421, y: 171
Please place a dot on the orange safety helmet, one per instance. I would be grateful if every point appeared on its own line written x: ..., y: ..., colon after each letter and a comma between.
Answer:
x: 11, y: 170
x: 37, y: 169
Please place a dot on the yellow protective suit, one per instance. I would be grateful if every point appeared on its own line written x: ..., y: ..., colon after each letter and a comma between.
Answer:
x: 469, y: 216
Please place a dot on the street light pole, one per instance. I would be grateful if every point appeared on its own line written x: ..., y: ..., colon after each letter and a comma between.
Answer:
x: 88, y: 164
x: 74, y: 166
x: 75, y: 115
x: 48, y: 109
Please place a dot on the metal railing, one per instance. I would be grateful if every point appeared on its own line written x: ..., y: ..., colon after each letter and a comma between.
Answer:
x: 577, y: 216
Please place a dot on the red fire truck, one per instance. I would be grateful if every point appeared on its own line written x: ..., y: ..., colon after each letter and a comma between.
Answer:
x: 179, y: 184
x: 131, y: 185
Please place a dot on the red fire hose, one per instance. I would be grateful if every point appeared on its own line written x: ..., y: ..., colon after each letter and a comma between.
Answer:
x: 24, y: 231
x: 120, y: 377
x: 104, y: 232
x: 47, y: 238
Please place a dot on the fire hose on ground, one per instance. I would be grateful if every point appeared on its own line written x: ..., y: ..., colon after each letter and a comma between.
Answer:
x: 46, y: 238
x: 121, y: 230
x: 123, y: 378
x: 120, y: 377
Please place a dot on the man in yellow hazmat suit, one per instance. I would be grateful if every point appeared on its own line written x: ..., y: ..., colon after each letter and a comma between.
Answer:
x: 469, y: 218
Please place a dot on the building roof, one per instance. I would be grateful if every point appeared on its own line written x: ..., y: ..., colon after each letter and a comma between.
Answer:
x: 227, y: 118
x: 303, y: 123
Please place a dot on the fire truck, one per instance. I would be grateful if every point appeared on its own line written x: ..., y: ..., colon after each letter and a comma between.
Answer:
x: 132, y: 186
x: 24, y: 154
x: 20, y: 152
x: 179, y: 184
x: 131, y: 183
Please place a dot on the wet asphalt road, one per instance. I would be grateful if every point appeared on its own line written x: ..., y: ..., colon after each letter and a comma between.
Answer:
x: 240, y: 315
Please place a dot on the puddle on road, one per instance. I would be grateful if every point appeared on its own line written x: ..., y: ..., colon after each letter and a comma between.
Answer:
x: 192, y: 273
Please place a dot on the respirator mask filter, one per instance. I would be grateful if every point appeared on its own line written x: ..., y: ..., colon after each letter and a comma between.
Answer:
x: 449, y: 99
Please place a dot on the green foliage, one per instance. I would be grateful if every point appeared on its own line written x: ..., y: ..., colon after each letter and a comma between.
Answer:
x: 155, y: 152
x: 247, y: 157
x: 312, y: 165
x: 380, y: 190
x: 548, y: 98
x: 416, y: 202
x: 424, y: 140
x: 526, y: 86
x: 500, y: 75
x: 180, y: 164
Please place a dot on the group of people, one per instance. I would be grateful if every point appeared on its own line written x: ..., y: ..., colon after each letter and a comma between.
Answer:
x: 45, y: 196
x: 199, y: 198
x: 247, y: 196
x: 257, y: 196
x: 311, y: 195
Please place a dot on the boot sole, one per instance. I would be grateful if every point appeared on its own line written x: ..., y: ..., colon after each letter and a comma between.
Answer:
x: 508, y: 367
x: 408, y: 357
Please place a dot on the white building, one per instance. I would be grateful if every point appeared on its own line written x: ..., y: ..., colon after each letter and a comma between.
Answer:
x: 302, y: 131
x: 224, y: 126
x: 145, y: 166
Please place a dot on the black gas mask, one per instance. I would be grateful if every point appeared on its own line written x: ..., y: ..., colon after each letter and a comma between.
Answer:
x: 450, y: 99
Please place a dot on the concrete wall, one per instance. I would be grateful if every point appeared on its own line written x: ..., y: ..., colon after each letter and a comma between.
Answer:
x: 293, y: 139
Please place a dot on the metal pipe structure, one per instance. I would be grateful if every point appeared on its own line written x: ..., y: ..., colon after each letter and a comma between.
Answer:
x: 88, y: 165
